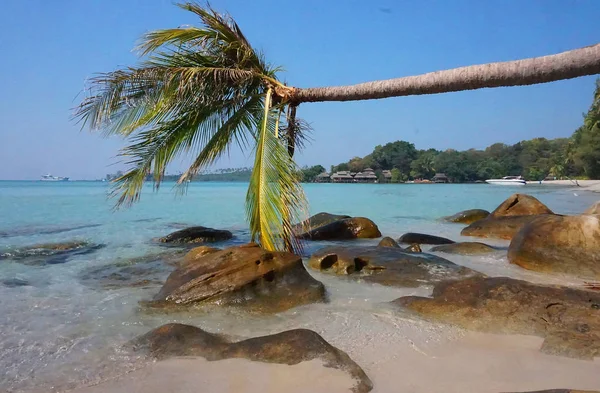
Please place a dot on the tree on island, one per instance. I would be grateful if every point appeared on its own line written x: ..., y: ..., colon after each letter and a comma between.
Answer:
x: 201, y: 89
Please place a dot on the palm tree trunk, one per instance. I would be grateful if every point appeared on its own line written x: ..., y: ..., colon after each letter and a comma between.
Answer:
x: 566, y: 65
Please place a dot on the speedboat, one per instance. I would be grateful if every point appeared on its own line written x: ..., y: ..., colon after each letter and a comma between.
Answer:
x: 49, y: 177
x: 508, y: 181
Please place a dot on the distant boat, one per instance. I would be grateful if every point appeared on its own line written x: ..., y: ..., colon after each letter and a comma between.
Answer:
x: 49, y: 177
x: 508, y: 181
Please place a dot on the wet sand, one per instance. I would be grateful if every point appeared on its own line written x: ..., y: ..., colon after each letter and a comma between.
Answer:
x: 475, y: 362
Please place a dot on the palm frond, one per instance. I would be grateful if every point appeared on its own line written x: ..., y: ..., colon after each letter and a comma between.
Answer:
x: 275, y: 198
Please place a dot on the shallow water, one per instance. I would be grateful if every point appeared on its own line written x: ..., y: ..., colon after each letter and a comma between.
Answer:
x: 62, y: 331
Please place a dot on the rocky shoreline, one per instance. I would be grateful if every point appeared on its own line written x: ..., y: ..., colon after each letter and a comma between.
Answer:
x: 264, y: 284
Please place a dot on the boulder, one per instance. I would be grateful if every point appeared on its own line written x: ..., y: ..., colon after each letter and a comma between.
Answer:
x: 413, y: 248
x: 318, y: 220
x: 468, y: 216
x: 497, y: 228
x: 387, y: 265
x: 388, y: 242
x: 289, y: 347
x: 344, y: 229
x: 50, y: 253
x: 559, y: 244
x: 464, y: 248
x: 421, y: 238
x: 196, y: 253
x: 246, y: 276
x: 520, y: 205
x: 197, y: 234
x: 568, y: 318
x: 594, y: 209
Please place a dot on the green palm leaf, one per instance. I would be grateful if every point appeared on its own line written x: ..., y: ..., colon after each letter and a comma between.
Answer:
x: 275, y: 198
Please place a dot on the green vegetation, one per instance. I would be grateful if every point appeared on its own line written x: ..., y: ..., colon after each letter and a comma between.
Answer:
x: 575, y: 157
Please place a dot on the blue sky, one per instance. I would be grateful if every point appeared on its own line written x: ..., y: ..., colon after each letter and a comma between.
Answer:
x: 49, y: 48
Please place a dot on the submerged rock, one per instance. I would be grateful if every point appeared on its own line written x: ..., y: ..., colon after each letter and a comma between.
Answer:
x: 387, y: 265
x: 520, y: 205
x: 464, y: 248
x: 15, y: 282
x: 497, y: 228
x: 143, y: 271
x: 421, y: 238
x: 568, y: 318
x: 344, y: 229
x: 289, y: 347
x: 30, y: 231
x: 388, y: 242
x: 559, y: 244
x: 243, y: 276
x: 50, y: 253
x: 468, y: 216
x: 196, y: 234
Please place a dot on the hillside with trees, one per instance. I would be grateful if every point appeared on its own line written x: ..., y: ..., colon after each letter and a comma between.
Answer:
x: 535, y: 159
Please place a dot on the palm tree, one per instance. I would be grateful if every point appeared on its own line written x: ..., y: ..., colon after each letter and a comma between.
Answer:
x: 201, y: 89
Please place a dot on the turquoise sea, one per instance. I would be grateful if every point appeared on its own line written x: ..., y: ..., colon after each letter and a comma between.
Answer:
x: 59, y: 328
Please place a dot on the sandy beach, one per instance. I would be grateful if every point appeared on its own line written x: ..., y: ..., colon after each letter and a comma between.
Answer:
x: 473, y: 362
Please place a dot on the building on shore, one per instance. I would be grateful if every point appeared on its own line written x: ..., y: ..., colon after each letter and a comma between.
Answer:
x: 387, y: 176
x: 366, y: 176
x: 440, y: 178
x: 323, y: 178
x: 342, y: 177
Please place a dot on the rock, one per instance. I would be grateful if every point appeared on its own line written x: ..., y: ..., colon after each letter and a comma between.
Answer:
x: 421, y: 238
x: 316, y: 221
x: 594, y: 209
x: 498, y: 228
x: 568, y: 318
x: 388, y: 242
x: 244, y: 276
x: 196, y: 235
x: 387, y: 265
x: 196, y: 253
x: 15, y: 282
x: 520, y: 205
x: 289, y: 347
x: 50, y: 253
x: 559, y: 244
x: 464, y: 248
x: 347, y: 228
x: 468, y: 216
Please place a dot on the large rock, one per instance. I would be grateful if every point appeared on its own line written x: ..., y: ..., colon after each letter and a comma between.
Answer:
x: 568, y: 318
x: 289, y: 347
x: 421, y: 238
x: 594, y: 209
x: 497, y: 228
x: 520, y: 205
x: 344, y: 229
x: 465, y: 248
x: 559, y: 244
x: 246, y: 276
x: 468, y: 216
x: 318, y: 220
x: 197, y: 234
x: 50, y: 253
x: 387, y: 265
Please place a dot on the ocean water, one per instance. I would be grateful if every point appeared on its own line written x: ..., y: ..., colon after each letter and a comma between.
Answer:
x: 60, y: 328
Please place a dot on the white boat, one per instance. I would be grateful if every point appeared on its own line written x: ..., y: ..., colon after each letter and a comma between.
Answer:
x: 508, y: 181
x: 49, y: 177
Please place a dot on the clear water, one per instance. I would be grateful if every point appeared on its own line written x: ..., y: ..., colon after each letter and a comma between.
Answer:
x: 62, y: 331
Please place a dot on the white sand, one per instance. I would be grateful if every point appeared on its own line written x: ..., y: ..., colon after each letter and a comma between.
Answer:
x: 475, y: 362
x: 588, y: 185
